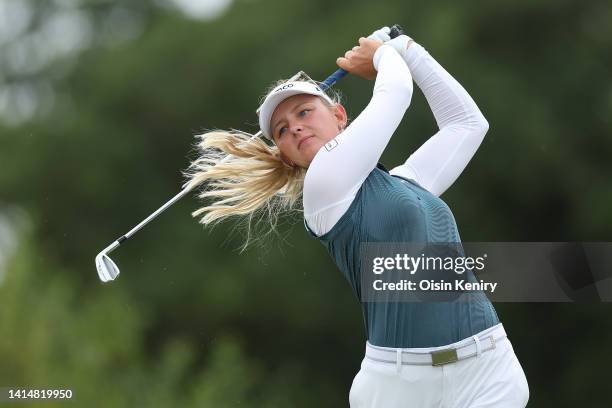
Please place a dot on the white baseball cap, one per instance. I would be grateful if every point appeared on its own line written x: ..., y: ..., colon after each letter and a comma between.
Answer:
x: 279, y: 94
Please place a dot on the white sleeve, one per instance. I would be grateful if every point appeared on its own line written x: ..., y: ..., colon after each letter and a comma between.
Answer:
x: 341, y: 166
x: 440, y: 160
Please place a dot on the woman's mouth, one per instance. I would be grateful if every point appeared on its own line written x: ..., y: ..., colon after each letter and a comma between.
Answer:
x: 304, y: 140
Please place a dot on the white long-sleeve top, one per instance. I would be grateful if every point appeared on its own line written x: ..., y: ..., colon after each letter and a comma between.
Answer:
x: 338, y: 170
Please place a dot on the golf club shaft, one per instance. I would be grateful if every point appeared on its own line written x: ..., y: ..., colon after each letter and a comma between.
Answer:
x: 396, y: 30
x: 164, y: 207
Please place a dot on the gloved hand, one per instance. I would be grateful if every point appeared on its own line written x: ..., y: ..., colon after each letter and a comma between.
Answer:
x: 400, y: 43
x: 381, y: 35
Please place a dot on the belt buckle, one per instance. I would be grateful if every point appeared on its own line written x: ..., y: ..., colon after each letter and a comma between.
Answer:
x: 442, y: 357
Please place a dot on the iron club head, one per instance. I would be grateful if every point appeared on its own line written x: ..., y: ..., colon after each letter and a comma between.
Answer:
x: 107, y: 269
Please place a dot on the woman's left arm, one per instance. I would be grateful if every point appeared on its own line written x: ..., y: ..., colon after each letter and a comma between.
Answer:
x: 439, y: 161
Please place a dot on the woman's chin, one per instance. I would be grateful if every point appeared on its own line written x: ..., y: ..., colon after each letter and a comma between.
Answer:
x: 310, y: 150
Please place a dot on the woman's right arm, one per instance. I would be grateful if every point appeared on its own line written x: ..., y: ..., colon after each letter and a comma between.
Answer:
x: 341, y: 166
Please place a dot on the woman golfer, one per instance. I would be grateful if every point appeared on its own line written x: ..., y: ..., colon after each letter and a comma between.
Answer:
x: 418, y: 354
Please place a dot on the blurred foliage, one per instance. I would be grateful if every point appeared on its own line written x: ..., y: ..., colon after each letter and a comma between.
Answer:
x: 192, y: 323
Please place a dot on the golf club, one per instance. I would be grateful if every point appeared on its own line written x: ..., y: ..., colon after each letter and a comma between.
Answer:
x: 108, y: 270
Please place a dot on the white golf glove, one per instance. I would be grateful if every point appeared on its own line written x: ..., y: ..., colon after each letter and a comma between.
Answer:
x: 400, y: 43
x: 381, y: 34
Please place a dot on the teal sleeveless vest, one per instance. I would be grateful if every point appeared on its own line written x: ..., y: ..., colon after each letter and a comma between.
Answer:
x: 392, y: 209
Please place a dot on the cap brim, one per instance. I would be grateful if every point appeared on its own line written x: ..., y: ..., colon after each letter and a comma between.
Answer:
x: 267, y: 108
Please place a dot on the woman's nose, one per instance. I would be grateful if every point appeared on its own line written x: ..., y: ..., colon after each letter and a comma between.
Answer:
x: 297, y: 128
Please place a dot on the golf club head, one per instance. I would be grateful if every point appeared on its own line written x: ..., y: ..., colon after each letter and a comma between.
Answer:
x: 107, y: 269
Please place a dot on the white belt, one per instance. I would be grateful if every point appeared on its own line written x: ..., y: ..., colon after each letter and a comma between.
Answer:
x: 470, y: 347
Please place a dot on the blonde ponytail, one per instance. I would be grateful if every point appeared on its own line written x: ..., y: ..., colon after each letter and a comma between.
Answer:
x: 245, y: 177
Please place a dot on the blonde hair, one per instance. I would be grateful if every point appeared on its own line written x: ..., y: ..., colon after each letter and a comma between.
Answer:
x: 245, y: 177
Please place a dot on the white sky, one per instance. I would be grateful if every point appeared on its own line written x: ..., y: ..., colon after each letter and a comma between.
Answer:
x: 66, y: 31
x: 202, y: 9
x: 12, y: 221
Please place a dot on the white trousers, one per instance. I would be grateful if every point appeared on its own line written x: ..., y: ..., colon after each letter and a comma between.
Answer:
x: 494, y: 379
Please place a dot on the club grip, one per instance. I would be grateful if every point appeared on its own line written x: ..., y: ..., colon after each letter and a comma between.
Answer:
x: 396, y: 31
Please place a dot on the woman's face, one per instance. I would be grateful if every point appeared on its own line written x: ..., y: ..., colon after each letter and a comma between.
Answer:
x: 302, y: 124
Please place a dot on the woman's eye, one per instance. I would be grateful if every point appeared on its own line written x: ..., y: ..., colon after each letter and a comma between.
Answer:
x: 281, y: 130
x: 304, y: 111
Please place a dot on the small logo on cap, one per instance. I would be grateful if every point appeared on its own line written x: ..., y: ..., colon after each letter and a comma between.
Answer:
x: 286, y: 86
x: 331, y: 144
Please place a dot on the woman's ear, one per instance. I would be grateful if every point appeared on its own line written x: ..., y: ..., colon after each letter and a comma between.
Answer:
x: 341, y: 116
